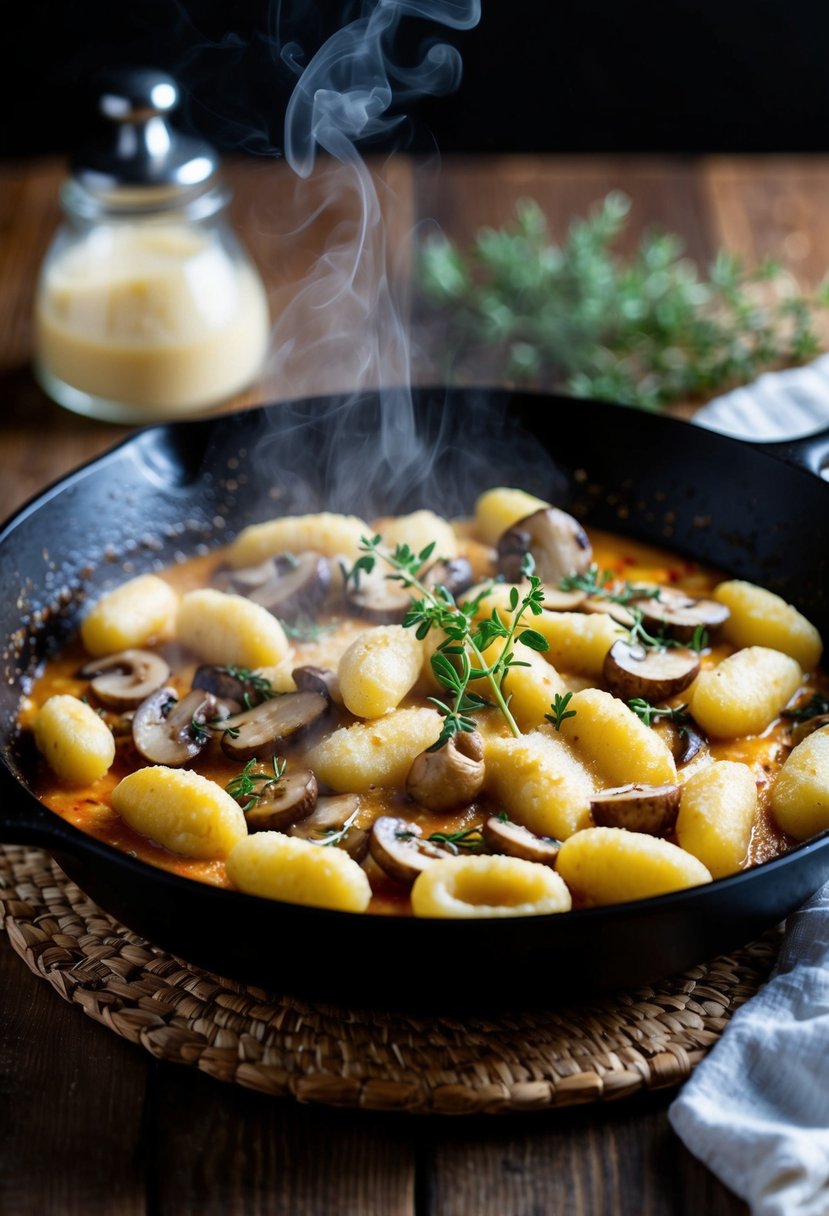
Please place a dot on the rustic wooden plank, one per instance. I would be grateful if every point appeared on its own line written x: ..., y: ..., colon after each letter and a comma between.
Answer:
x: 615, y: 1160
x: 223, y: 1151
x: 763, y: 207
x: 463, y: 194
x: 71, y: 1106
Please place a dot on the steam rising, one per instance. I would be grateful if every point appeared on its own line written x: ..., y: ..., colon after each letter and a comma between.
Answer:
x: 344, y: 325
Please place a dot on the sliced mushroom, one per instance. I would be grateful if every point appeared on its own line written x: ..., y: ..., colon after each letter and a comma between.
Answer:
x: 378, y: 598
x: 318, y: 679
x: 168, y: 731
x: 557, y: 600
x: 618, y: 612
x: 331, y: 817
x: 556, y: 540
x: 636, y: 671
x: 450, y: 777
x: 398, y: 847
x: 684, y: 740
x: 638, y: 808
x: 806, y: 727
x: 455, y: 574
x: 124, y: 680
x: 677, y: 615
x: 224, y: 684
x: 245, y: 579
x: 265, y: 729
x: 504, y: 836
x: 297, y: 588
x: 283, y: 801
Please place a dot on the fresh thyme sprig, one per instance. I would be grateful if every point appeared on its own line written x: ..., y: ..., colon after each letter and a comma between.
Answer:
x: 200, y: 731
x: 255, y: 684
x: 331, y: 836
x: 603, y: 585
x: 638, y: 634
x: 645, y: 329
x: 469, y: 839
x: 436, y: 609
x: 253, y: 786
x: 649, y: 713
x: 560, y: 710
x: 814, y: 708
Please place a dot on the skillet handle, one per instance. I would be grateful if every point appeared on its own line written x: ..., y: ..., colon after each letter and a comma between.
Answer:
x: 24, y: 821
x: 811, y: 454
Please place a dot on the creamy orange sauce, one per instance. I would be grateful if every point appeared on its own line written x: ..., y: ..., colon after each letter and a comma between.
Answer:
x: 89, y: 808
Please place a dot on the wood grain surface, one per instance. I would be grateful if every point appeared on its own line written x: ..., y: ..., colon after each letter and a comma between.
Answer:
x: 90, y: 1124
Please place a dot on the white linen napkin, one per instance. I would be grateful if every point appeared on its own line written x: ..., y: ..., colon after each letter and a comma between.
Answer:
x: 778, y: 405
x: 756, y: 1110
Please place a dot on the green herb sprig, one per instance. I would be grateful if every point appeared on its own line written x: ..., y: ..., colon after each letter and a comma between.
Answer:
x: 253, y: 786
x: 560, y: 711
x: 255, y: 684
x: 603, y: 585
x: 459, y: 659
x: 644, y: 330
x: 650, y: 713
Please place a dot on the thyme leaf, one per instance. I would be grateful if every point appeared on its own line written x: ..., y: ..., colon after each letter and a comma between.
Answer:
x: 560, y: 710
x: 253, y: 784
x: 648, y: 713
x: 814, y: 708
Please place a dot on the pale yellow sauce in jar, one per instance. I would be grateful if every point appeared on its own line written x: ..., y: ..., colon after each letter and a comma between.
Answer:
x: 157, y: 316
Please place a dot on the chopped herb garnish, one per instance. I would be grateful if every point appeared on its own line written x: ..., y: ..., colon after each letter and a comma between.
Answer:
x: 560, y: 710
x: 603, y: 585
x: 469, y: 839
x: 252, y: 784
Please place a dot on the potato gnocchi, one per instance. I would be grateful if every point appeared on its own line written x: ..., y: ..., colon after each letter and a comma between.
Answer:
x: 498, y: 716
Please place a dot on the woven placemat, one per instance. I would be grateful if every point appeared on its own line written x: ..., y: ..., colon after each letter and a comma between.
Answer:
x: 607, y: 1048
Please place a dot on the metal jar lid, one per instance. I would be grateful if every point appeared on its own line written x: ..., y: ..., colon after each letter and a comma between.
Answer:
x: 140, y: 160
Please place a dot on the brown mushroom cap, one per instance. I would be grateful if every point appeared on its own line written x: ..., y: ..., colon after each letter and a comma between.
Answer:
x: 684, y: 741
x: 618, y: 612
x: 678, y: 615
x: 163, y: 727
x: 263, y: 730
x: 556, y: 540
x: 632, y: 671
x: 454, y: 573
x: 382, y: 600
x: 638, y: 808
x: 124, y: 680
x: 283, y: 801
x: 450, y: 777
x: 398, y: 847
x: 333, y: 815
x: 318, y: 679
x: 504, y: 836
x: 297, y: 588
x: 222, y: 683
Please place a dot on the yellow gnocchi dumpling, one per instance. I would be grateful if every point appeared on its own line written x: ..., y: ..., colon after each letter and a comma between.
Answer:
x: 612, y: 865
x: 130, y: 616
x: 760, y: 618
x: 284, y: 867
x: 326, y: 533
x: 611, y: 736
x: 487, y: 887
x: 181, y: 810
x: 381, y: 752
x: 745, y: 692
x: 578, y: 641
x: 500, y: 508
x: 418, y: 530
x: 800, y: 794
x: 378, y: 669
x: 76, y: 744
x: 539, y: 782
x: 230, y: 629
x: 716, y: 815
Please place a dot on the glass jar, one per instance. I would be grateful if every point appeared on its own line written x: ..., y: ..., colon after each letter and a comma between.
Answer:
x: 147, y: 306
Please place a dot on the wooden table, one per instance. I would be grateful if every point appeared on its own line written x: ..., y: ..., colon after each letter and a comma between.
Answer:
x: 90, y: 1124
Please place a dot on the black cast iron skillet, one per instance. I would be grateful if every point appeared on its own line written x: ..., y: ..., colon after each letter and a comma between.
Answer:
x: 759, y: 513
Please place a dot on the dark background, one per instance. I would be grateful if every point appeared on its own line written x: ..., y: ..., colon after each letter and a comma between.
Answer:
x: 676, y: 75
